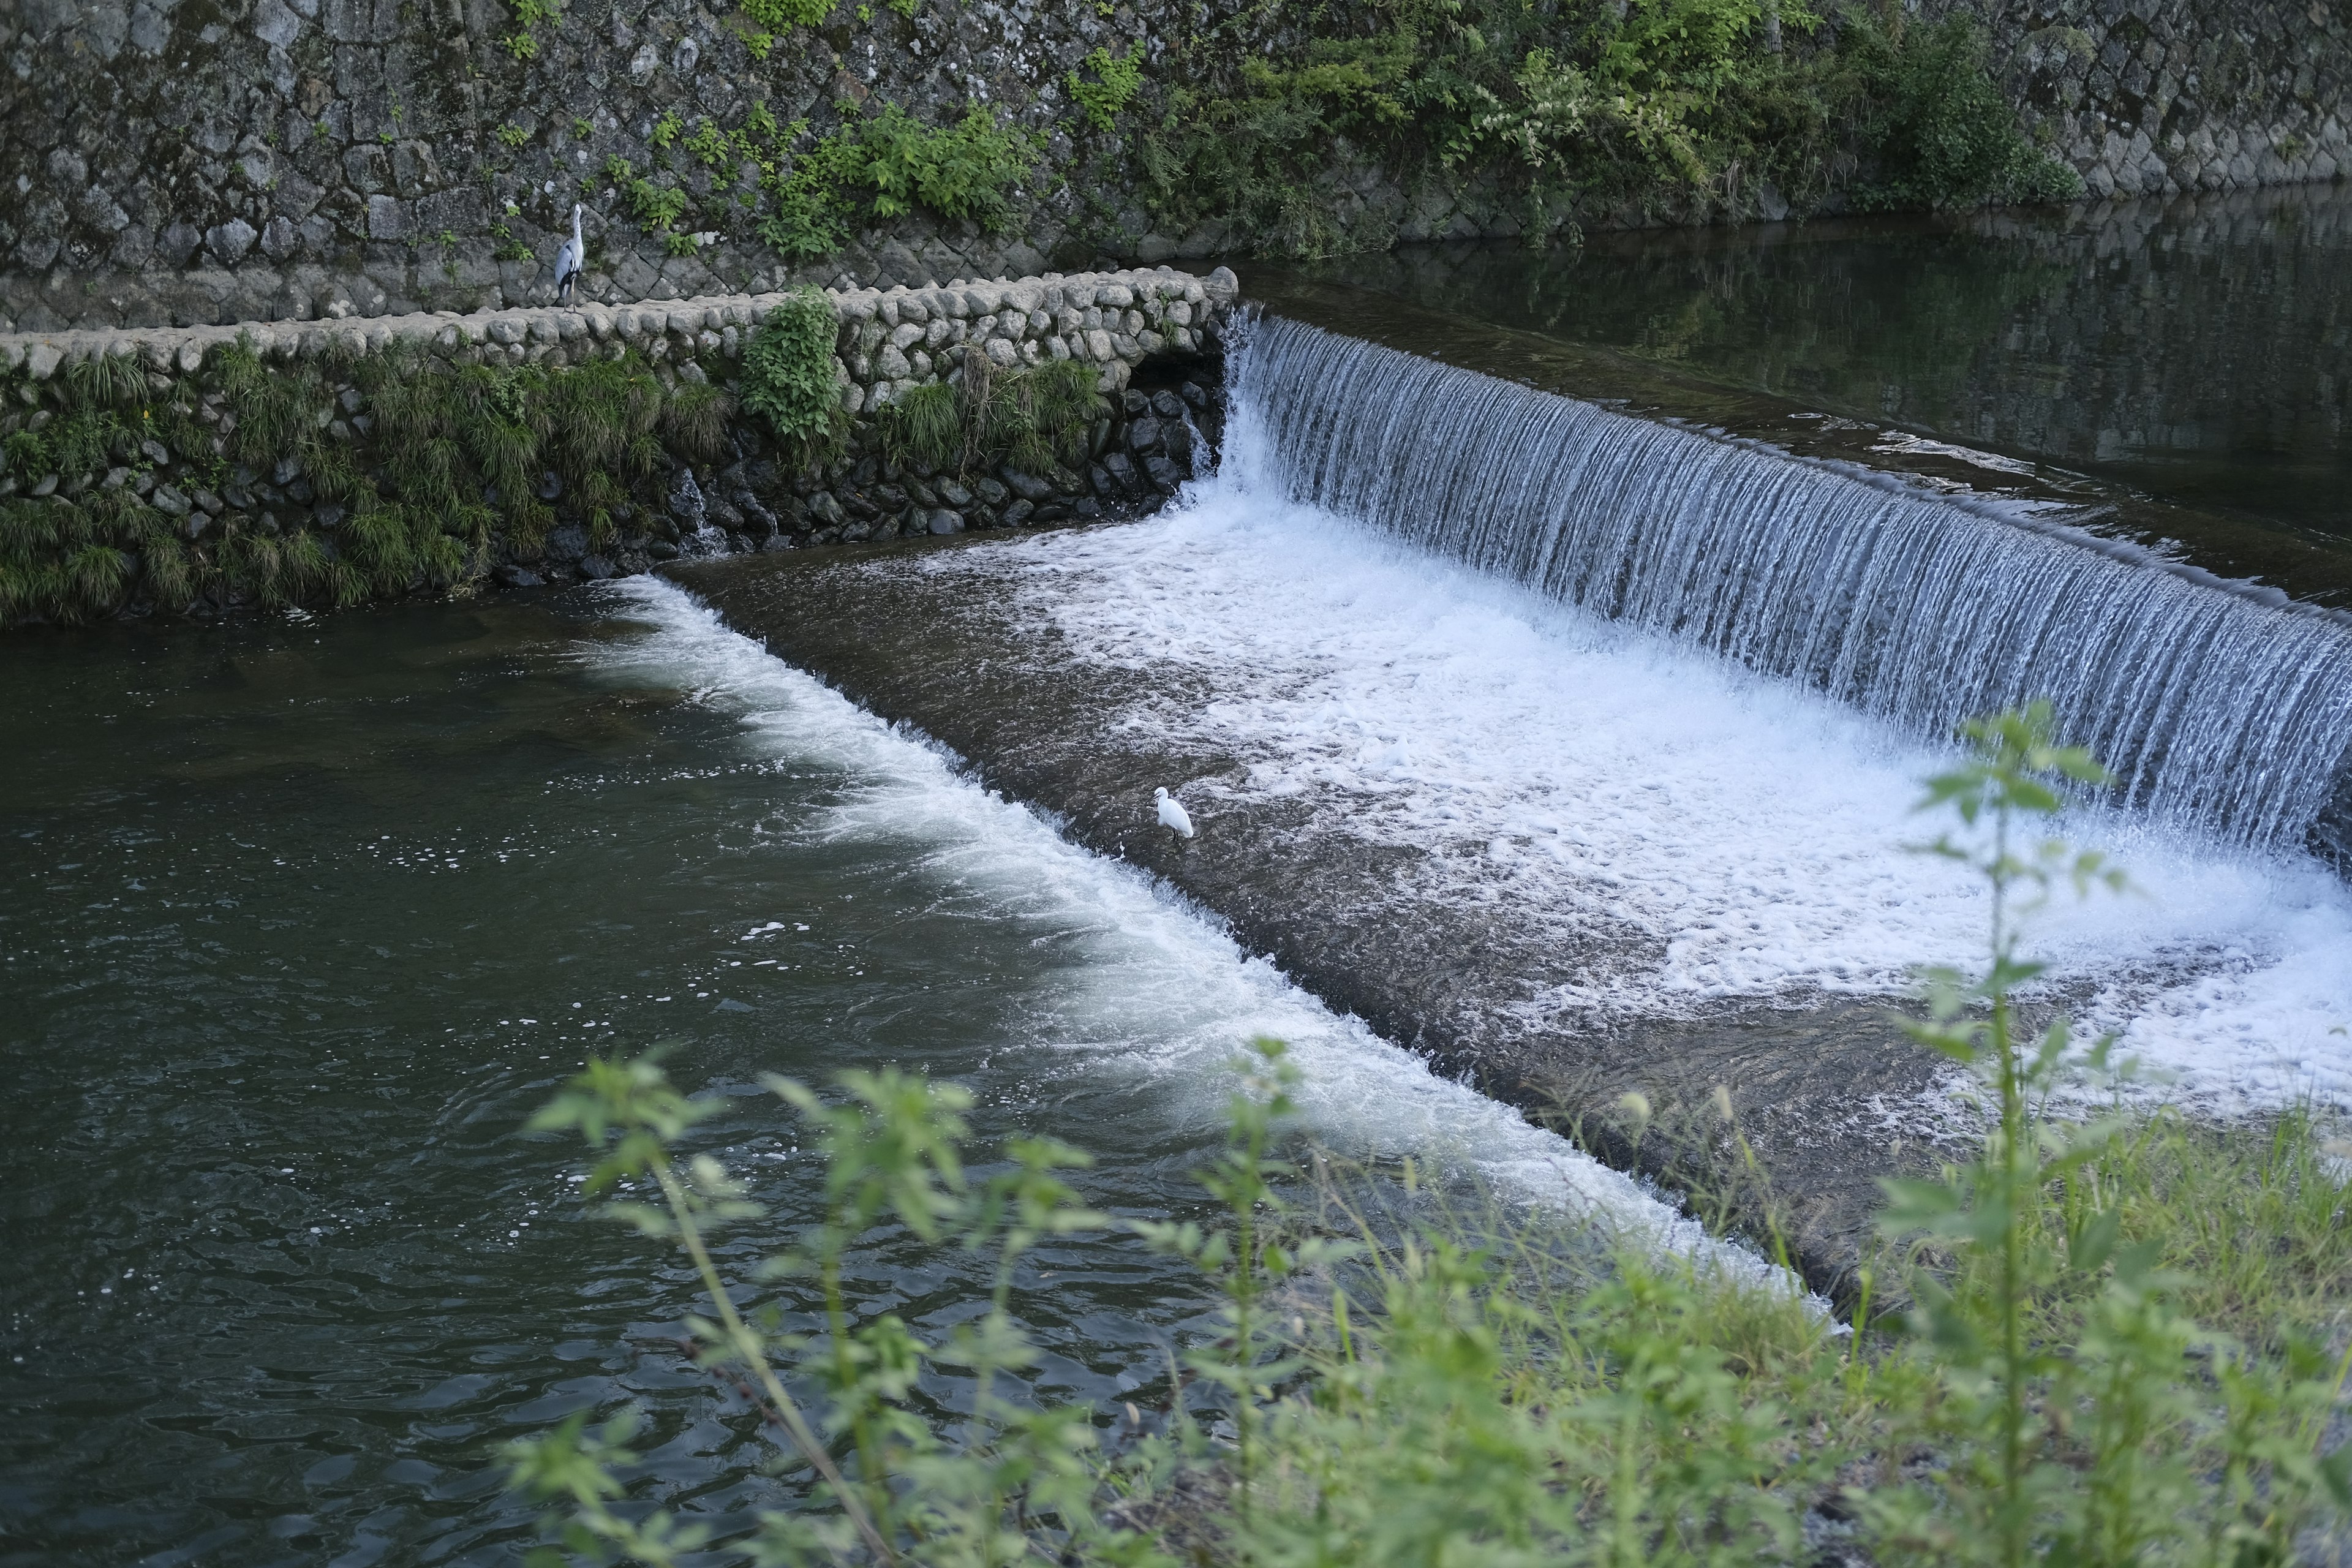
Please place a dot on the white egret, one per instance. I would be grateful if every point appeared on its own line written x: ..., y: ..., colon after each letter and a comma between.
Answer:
x: 1172, y: 814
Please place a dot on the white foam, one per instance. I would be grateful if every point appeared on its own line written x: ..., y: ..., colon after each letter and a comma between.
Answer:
x: 1743, y: 837
x: 1162, y: 996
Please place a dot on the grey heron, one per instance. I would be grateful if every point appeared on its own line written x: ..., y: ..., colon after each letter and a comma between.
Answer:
x: 569, y: 259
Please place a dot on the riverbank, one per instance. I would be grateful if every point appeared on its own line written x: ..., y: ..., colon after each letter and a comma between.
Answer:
x: 205, y: 469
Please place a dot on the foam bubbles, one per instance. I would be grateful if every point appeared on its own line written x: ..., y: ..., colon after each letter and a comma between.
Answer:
x: 1161, y: 998
x: 1746, y: 837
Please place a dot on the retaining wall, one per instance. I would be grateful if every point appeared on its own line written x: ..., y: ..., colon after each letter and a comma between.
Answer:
x: 1152, y: 335
x: 221, y: 161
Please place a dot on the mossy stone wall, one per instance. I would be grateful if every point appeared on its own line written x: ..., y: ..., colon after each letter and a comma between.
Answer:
x: 219, y: 160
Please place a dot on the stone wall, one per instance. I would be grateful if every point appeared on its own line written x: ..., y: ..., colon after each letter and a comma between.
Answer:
x: 2162, y: 96
x: 1153, y: 336
x: 215, y: 161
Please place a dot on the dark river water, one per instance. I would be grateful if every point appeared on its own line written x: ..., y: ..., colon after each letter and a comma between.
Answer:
x: 301, y: 924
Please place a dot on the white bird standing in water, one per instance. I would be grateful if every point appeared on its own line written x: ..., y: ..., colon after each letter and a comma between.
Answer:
x: 1172, y: 814
x: 569, y: 258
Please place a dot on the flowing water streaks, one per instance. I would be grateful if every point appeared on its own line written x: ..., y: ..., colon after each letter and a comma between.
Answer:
x: 2217, y: 708
x: 1159, y: 997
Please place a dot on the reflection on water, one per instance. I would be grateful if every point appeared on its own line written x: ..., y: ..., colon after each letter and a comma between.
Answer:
x: 2200, y: 350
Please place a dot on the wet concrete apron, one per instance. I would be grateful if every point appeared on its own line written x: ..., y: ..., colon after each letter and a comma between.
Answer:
x: 1829, y: 1097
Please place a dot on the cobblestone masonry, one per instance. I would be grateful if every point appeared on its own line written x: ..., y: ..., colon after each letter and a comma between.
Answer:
x: 1152, y: 333
x: 223, y: 161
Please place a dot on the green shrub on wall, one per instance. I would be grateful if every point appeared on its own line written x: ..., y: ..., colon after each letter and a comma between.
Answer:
x: 885, y: 166
x: 1941, y: 134
x: 1680, y: 109
x: 457, y: 456
x: 790, y: 378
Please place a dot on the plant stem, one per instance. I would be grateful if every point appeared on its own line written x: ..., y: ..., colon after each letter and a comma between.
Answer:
x: 748, y: 1343
x: 2013, y: 1259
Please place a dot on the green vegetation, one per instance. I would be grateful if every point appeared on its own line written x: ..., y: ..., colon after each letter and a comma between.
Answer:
x: 1031, y: 417
x: 788, y: 379
x: 781, y: 15
x: 523, y: 42
x: 1391, y: 1379
x: 1109, y: 87
x: 883, y: 166
x: 457, y: 455
x: 809, y: 194
x: 1676, y: 108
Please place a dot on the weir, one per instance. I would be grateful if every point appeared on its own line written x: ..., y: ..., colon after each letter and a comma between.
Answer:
x: 2217, y: 707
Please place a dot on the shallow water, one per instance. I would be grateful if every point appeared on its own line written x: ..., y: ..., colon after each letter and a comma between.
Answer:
x: 301, y: 924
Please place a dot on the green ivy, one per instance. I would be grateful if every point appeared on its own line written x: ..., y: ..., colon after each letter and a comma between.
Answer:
x: 523, y: 42
x: 1115, y: 80
x: 778, y: 16
x: 885, y: 166
x: 789, y: 376
x: 1678, y: 108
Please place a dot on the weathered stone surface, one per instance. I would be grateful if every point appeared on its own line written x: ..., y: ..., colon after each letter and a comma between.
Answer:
x: 352, y: 155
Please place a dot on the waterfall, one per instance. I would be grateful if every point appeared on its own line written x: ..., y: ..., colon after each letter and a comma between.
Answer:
x: 2215, y: 706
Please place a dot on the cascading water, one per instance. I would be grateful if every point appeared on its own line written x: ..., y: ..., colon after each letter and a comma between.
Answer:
x: 2213, y: 707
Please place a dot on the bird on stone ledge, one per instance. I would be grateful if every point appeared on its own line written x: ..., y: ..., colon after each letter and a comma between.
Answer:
x: 1172, y: 814
x: 569, y: 259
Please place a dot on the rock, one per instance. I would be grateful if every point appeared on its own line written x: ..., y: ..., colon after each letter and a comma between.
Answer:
x: 48, y: 487
x: 230, y: 241
x: 942, y: 520
x: 662, y: 550
x: 1167, y: 404
x: 824, y: 511
x: 550, y: 487
x: 1017, y: 513
x: 777, y: 541
x: 569, y: 543
x: 1166, y: 477
x: 723, y: 514
x: 515, y: 576
x: 685, y: 502
x: 990, y: 491
x: 596, y: 569
x: 210, y: 502
x: 238, y: 497
x: 280, y: 239
x: 1143, y: 435
x: 41, y: 361
x: 1028, y: 487
x: 329, y: 515
x: 1197, y: 396
x: 953, y: 494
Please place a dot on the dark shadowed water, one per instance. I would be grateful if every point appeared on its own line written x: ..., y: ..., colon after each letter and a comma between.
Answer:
x: 300, y: 924
x: 2199, y: 348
